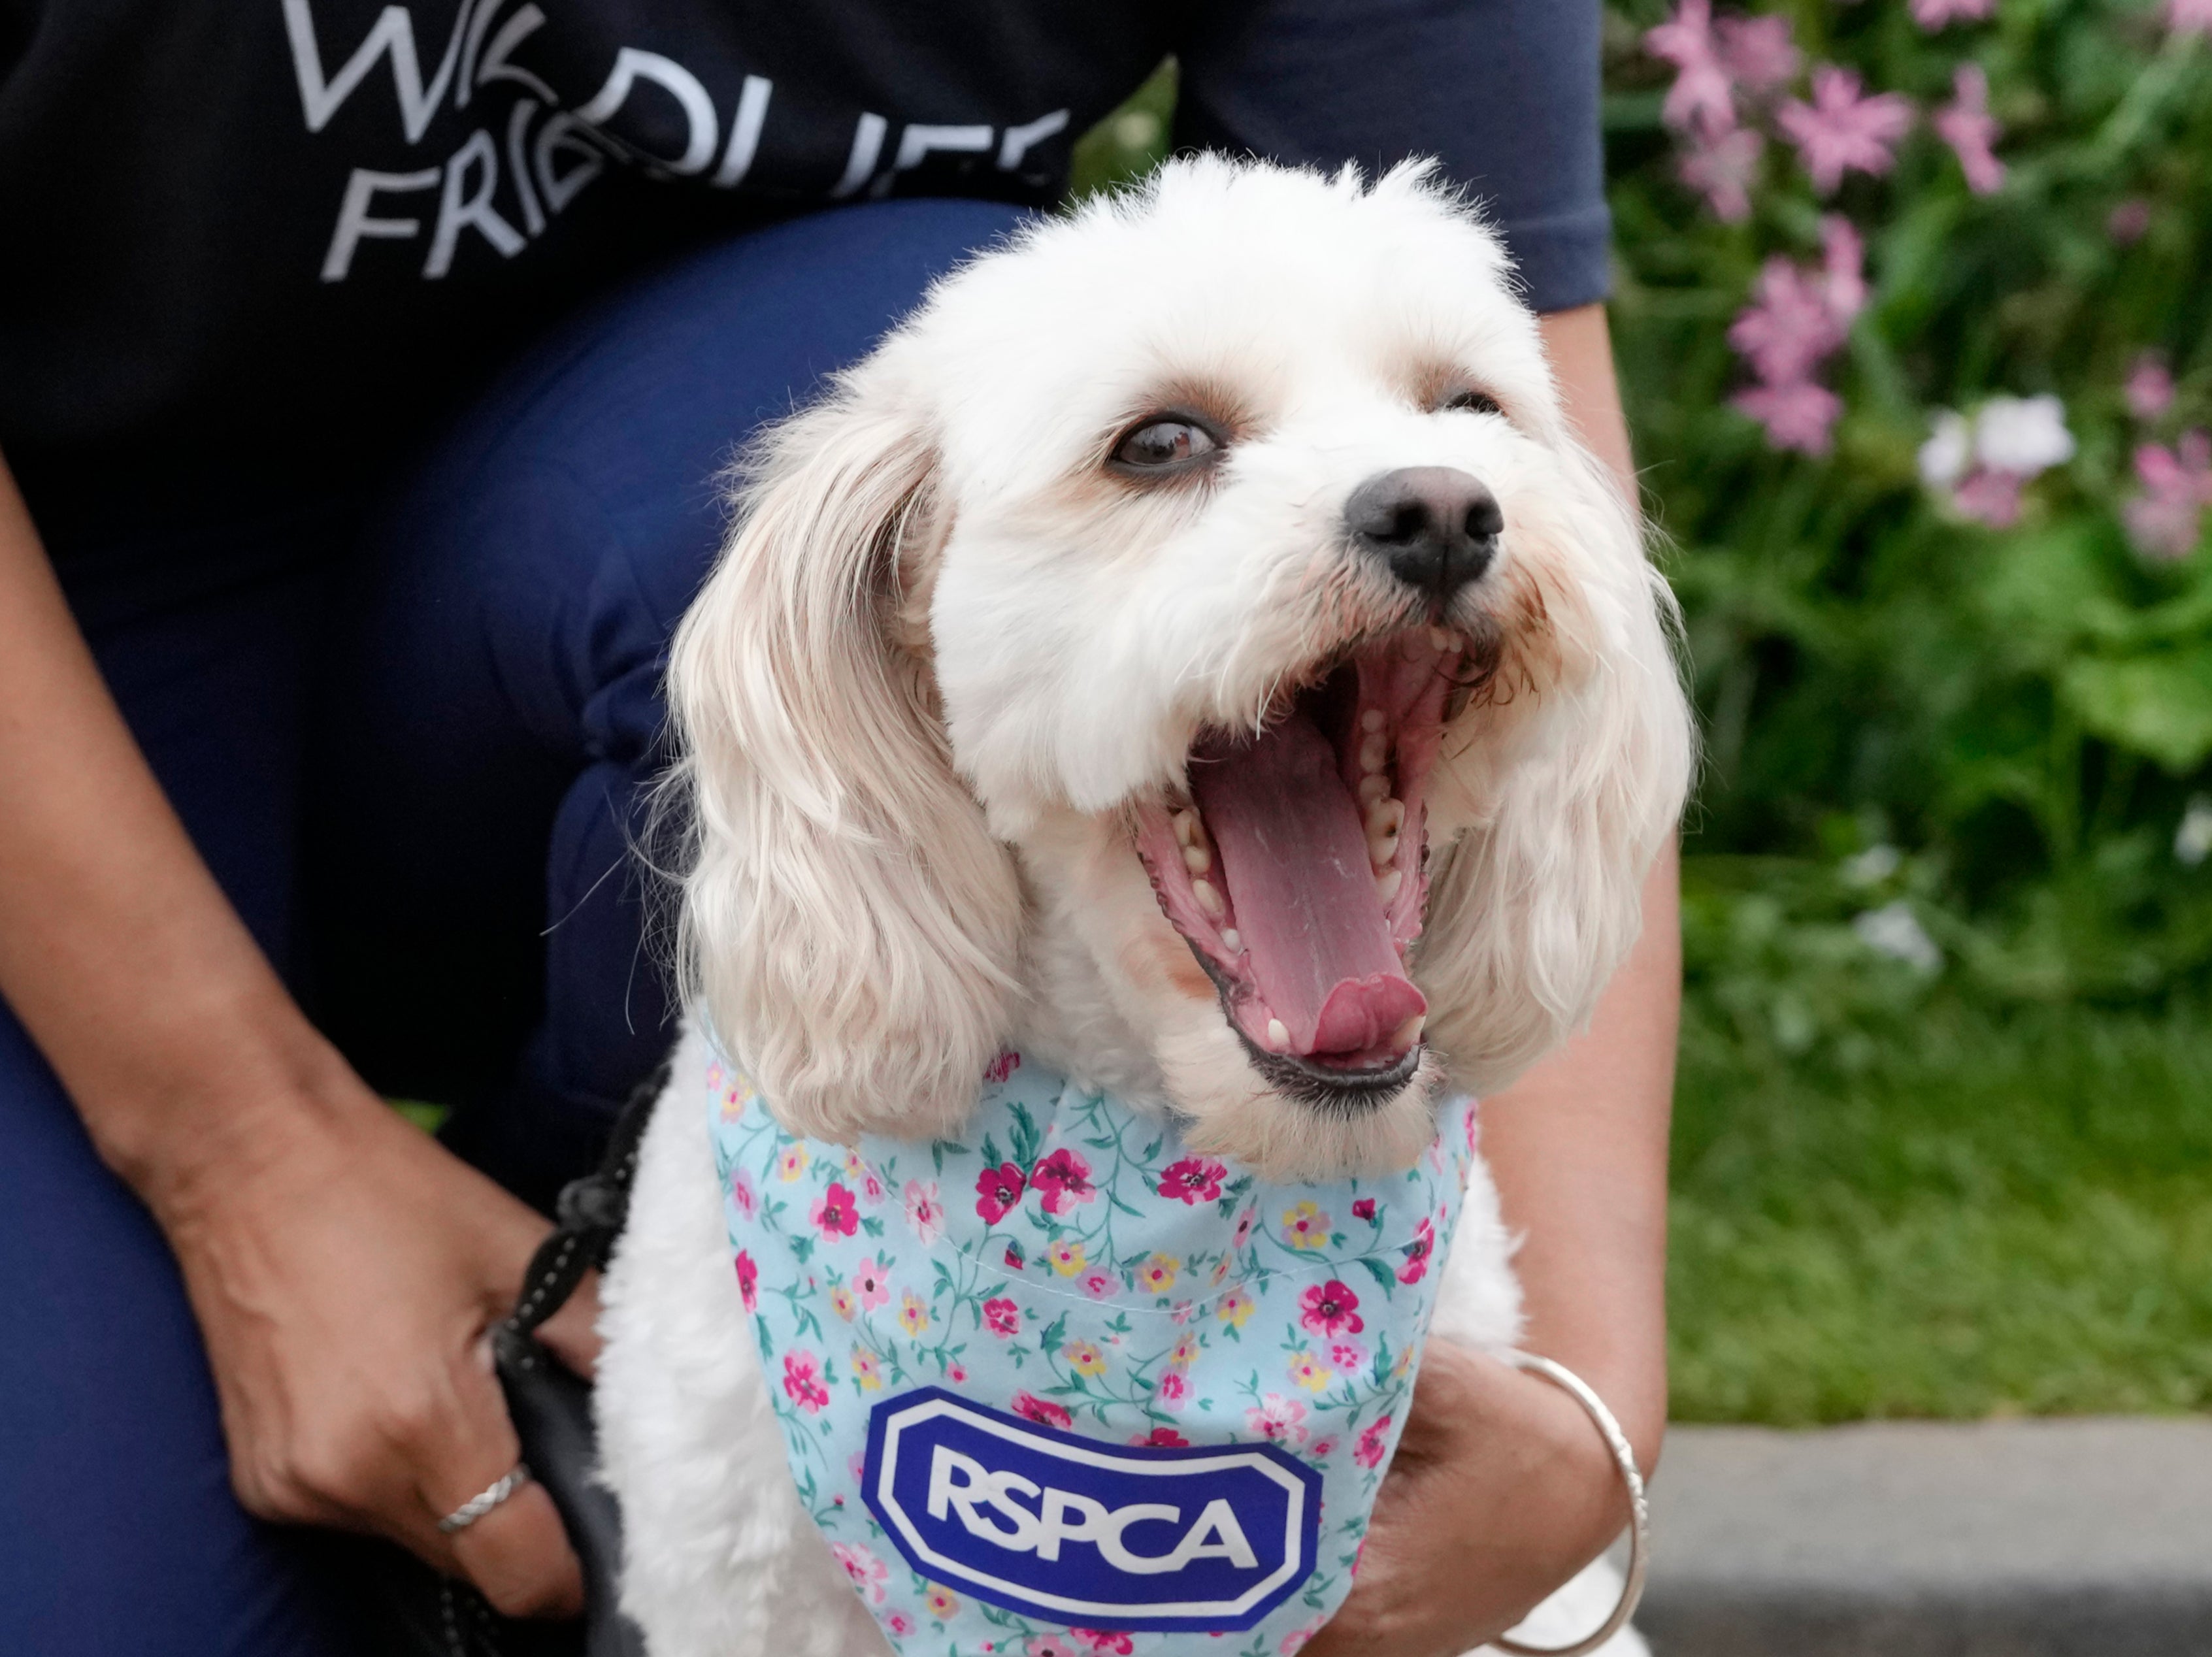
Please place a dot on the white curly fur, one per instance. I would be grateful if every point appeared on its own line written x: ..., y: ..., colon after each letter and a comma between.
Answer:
x: 943, y: 657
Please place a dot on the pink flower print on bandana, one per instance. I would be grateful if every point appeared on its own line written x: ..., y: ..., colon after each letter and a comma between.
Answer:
x: 1103, y: 1286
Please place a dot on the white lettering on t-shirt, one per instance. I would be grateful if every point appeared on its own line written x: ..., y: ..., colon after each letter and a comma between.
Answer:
x: 745, y: 132
x: 392, y: 32
x: 459, y: 205
x: 1020, y: 139
x: 868, y: 148
x: 632, y: 65
x: 355, y: 224
x: 917, y: 141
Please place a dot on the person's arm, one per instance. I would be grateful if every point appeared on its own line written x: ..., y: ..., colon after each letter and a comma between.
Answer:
x: 1501, y: 1488
x: 342, y: 1266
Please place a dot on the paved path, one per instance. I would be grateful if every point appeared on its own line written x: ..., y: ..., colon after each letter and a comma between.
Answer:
x: 2020, y: 1539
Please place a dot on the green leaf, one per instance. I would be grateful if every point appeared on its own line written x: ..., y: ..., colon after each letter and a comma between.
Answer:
x: 2157, y: 706
x: 1382, y: 1273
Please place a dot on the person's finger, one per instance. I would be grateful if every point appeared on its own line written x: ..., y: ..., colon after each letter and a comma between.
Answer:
x: 573, y: 1333
x: 517, y: 1554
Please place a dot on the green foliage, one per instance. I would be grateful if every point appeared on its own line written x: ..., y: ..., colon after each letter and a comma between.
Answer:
x: 2029, y: 709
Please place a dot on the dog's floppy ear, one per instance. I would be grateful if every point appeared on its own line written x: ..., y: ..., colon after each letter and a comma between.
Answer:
x: 1536, y: 904
x: 848, y: 927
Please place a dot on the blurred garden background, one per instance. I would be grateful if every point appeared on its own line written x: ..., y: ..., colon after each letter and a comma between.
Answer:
x: 1913, y: 309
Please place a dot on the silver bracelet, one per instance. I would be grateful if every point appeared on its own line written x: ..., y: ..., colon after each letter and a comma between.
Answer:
x: 1639, y: 1523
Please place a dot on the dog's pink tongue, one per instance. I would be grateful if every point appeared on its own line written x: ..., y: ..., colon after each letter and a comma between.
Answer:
x: 1294, y: 857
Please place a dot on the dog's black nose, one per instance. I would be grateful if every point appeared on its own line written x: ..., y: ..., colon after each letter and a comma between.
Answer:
x: 1434, y: 527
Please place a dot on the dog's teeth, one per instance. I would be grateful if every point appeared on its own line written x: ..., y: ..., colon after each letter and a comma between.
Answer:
x: 1444, y: 640
x: 1387, y: 884
x: 1279, y: 1039
x: 1409, y: 1032
x: 1231, y: 941
x: 1197, y: 859
x: 1189, y: 830
x: 1374, y: 787
x: 1208, y: 899
x: 1385, y: 817
x: 1372, y: 720
x: 1372, y: 752
x: 1383, y: 851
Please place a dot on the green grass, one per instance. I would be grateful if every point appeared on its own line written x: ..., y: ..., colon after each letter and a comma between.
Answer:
x: 1996, y: 1213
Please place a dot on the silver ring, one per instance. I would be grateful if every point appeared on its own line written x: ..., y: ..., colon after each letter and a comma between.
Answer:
x: 486, y: 1499
x: 1639, y: 1510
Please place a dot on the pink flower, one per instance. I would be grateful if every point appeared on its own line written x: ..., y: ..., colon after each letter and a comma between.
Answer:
x: 835, y: 1213
x: 1160, y: 1438
x: 2128, y: 220
x: 1002, y: 1318
x: 748, y: 1280
x: 1278, y: 1419
x: 1790, y: 324
x: 742, y: 1195
x: 1003, y: 1066
x: 997, y: 1191
x: 872, y: 1282
x: 2188, y: 16
x: 802, y: 1381
x: 1363, y: 1209
x: 1193, y: 1180
x: 1417, y: 1254
x: 2168, y: 519
x: 1100, y: 1640
x: 956, y: 1373
x: 1063, y: 1178
x: 1368, y: 1453
x: 1014, y: 1256
x: 1967, y: 126
x: 866, y: 1571
x: 1720, y: 168
x: 1989, y: 496
x: 925, y: 1215
x: 1322, y: 1449
x: 2149, y: 390
x: 1101, y: 1285
x: 1330, y: 1308
x: 1933, y: 14
x: 1050, y: 1645
x: 1349, y: 1355
x: 1701, y: 98
x: 1758, y: 52
x: 1800, y: 415
x: 898, y: 1622
x: 1043, y: 1412
x: 1172, y: 1390
x: 1840, y: 131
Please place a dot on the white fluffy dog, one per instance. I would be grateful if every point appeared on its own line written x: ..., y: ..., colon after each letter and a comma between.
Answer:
x: 1195, y: 648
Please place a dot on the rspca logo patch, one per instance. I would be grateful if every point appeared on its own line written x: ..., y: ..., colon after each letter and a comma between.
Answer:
x: 1075, y: 1531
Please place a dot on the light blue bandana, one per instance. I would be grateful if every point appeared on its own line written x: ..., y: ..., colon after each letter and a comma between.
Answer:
x: 1065, y: 1388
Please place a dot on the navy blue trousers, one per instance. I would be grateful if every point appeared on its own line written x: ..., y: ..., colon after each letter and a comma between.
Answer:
x: 412, y: 744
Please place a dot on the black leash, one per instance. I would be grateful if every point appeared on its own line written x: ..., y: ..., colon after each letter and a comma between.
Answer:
x: 587, y: 1218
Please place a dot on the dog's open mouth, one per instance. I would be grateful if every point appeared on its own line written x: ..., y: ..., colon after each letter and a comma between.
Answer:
x: 1296, y: 869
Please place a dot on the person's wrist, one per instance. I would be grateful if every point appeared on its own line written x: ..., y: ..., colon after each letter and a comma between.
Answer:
x: 204, y: 1111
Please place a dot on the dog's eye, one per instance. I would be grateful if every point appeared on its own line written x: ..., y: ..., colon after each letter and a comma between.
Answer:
x: 1166, y: 442
x: 1474, y: 402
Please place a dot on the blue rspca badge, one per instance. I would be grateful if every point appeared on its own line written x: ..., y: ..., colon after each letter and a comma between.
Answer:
x: 1073, y: 1531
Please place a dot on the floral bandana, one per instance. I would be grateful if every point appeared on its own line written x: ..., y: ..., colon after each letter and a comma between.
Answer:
x: 1064, y: 1388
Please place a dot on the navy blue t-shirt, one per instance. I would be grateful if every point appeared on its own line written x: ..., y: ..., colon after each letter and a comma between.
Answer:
x: 256, y: 248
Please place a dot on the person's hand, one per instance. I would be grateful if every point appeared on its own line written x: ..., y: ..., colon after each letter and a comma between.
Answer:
x: 345, y: 1268
x: 1501, y: 1489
